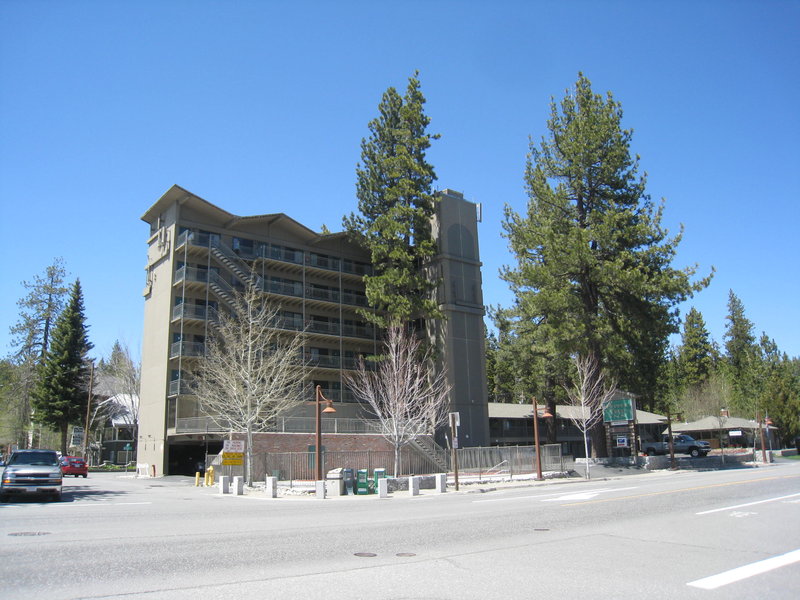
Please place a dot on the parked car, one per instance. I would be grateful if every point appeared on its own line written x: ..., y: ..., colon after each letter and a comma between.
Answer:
x: 682, y: 444
x: 74, y: 465
x: 31, y: 472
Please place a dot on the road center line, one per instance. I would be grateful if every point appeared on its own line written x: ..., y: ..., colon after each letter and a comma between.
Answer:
x: 708, y: 512
x: 715, y: 581
x: 675, y: 491
x: 85, y: 504
x: 534, y: 496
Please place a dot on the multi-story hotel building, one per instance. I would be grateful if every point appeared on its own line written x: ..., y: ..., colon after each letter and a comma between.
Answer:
x: 199, y: 254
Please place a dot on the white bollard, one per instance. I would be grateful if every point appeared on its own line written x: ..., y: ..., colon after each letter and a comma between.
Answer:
x: 383, y: 488
x: 224, y: 484
x: 272, y: 487
x: 238, y: 486
x: 441, y: 482
x: 413, y: 485
x: 320, y: 488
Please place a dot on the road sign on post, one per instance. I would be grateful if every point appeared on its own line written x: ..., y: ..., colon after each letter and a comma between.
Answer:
x: 621, y: 409
x: 233, y: 452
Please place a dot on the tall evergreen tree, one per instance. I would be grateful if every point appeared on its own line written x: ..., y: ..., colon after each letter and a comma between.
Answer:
x: 740, y: 341
x: 38, y: 311
x: 593, y: 274
x: 61, y: 391
x: 396, y: 203
x: 696, y: 353
x: 741, y: 355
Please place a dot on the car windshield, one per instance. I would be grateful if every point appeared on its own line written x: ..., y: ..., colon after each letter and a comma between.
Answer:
x: 44, y: 457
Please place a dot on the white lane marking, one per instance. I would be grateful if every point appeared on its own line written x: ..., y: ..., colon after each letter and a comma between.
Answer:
x: 588, y: 495
x: 708, y: 512
x: 559, y: 496
x: 743, y: 572
x: 578, y: 496
x: 84, y: 504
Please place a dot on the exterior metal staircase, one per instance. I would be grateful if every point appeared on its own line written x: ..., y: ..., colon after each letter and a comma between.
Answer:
x: 433, y: 452
x: 234, y: 263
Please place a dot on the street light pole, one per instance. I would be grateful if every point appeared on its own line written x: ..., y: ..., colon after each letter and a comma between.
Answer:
x: 670, y: 415
x: 537, y: 448
x: 761, y: 435
x: 328, y: 409
x: 88, y: 412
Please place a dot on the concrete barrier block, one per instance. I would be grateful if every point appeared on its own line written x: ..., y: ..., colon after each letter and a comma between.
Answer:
x: 272, y: 487
x: 413, y: 485
x: 238, y: 486
x: 320, y: 490
x: 225, y: 484
x: 441, y: 482
x: 383, y: 488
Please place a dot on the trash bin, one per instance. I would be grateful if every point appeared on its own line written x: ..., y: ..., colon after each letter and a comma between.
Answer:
x: 349, y: 481
x: 378, y: 474
x: 334, y: 482
x: 362, y: 482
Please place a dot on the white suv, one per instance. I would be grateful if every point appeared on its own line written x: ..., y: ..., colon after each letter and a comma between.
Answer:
x: 31, y: 472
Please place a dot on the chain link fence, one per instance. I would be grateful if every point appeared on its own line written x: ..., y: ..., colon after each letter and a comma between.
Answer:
x: 493, y: 461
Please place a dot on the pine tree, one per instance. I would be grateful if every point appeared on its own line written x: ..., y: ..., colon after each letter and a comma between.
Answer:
x: 593, y: 274
x: 740, y: 342
x: 61, y: 391
x: 38, y: 311
x: 741, y: 356
x: 396, y: 204
x: 696, y: 354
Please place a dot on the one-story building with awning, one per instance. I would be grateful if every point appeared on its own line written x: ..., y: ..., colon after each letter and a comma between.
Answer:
x: 736, y: 432
x: 512, y: 424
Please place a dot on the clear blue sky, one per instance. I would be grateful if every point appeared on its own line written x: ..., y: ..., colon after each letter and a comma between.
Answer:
x: 260, y: 107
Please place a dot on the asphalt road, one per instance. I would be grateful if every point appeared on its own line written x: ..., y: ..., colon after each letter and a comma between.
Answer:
x: 717, y: 534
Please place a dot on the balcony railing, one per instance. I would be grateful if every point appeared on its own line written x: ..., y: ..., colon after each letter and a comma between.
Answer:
x: 289, y: 255
x: 326, y: 327
x: 356, y: 268
x: 354, y: 299
x: 284, y: 288
x: 323, y: 262
x: 289, y: 323
x: 359, y: 331
x: 187, y: 349
x: 281, y: 425
x: 191, y: 274
x: 323, y: 361
x: 180, y: 386
x: 277, y: 252
x: 351, y: 363
x: 195, y: 311
x: 315, y: 293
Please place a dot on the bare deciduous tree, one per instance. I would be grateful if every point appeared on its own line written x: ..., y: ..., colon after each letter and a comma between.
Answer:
x: 711, y: 398
x: 252, y: 372
x: 589, y: 393
x: 405, y: 391
x: 125, y: 376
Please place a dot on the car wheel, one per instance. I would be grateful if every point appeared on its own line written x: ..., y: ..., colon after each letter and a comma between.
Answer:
x: 84, y: 475
x: 57, y: 497
x: 694, y: 452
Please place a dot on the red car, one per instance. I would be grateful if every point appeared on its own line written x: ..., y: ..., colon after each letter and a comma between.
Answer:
x: 74, y: 465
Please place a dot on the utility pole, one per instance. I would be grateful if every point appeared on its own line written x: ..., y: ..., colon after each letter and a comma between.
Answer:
x: 454, y: 422
x: 88, y: 413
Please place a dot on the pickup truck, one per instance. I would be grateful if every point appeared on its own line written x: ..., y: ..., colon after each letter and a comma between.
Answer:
x: 682, y: 443
x: 31, y: 472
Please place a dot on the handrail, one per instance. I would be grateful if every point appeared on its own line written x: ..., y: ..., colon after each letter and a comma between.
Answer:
x: 281, y: 425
